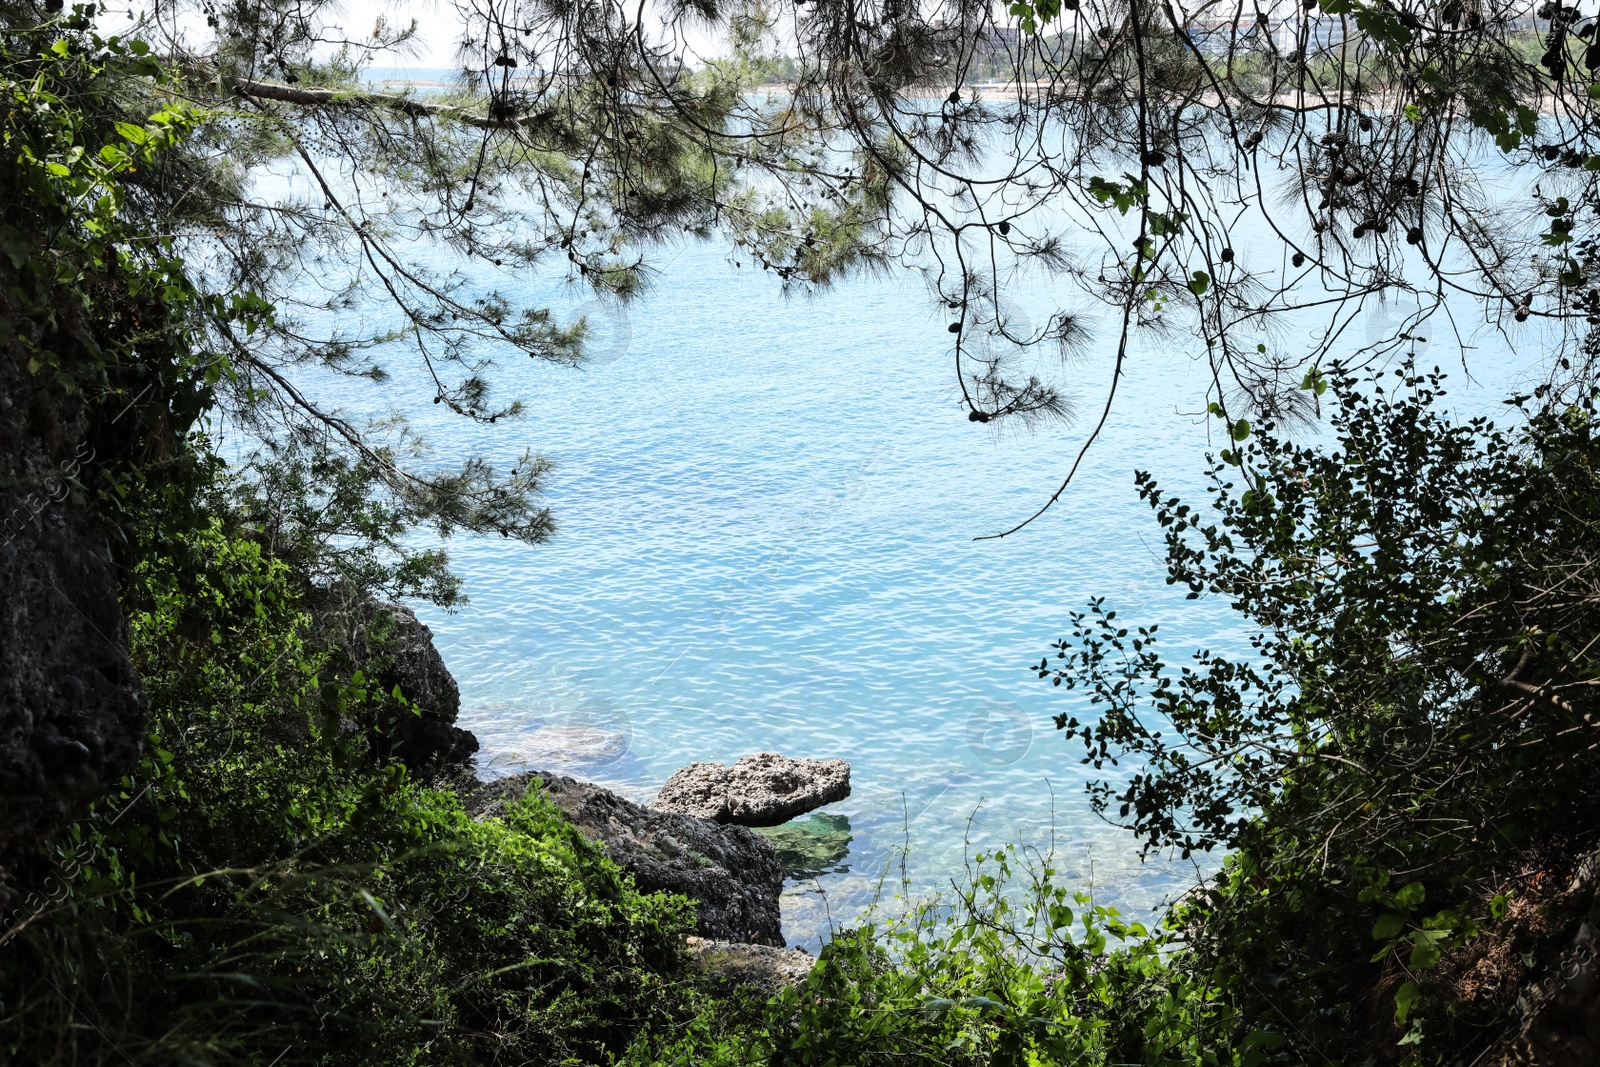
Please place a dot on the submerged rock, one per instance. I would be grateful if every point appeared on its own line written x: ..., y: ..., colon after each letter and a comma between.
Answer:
x: 765, y: 789
x: 811, y: 847
x: 574, y: 743
x: 766, y: 968
x: 730, y: 872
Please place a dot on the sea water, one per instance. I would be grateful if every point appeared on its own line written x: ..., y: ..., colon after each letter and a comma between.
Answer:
x: 768, y: 509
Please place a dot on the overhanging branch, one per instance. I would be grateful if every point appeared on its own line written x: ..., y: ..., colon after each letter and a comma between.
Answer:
x: 361, y: 99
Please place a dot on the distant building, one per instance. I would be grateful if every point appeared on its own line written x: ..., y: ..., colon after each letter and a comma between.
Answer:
x: 999, y: 39
x: 990, y: 38
x: 1217, y: 37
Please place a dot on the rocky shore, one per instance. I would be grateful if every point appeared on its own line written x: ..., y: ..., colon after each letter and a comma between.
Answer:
x: 765, y: 789
x: 694, y: 839
x: 732, y: 873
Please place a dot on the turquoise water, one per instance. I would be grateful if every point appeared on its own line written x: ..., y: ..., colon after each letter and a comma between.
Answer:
x: 767, y: 510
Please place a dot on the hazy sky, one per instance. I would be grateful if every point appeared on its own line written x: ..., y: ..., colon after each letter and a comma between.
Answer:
x: 438, y: 24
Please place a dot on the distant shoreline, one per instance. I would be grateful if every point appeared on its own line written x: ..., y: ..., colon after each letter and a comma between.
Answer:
x: 981, y: 92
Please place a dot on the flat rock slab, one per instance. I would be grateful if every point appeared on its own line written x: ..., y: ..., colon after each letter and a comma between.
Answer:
x: 730, y: 872
x: 765, y: 789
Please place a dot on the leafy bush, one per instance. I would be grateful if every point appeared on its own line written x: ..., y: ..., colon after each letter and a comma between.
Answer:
x: 1016, y: 969
x: 260, y: 891
x: 262, y: 888
x: 1415, y: 724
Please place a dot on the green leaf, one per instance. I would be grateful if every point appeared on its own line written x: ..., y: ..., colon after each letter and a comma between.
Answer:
x: 1240, y: 430
x: 1125, y: 197
x: 1263, y: 1039
x: 1411, y: 895
x: 1024, y: 13
x: 1405, y: 999
x: 983, y: 1003
x: 1426, y: 948
x: 1388, y: 927
x: 1200, y: 283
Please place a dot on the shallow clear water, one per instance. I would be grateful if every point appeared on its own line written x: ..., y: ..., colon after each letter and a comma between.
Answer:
x: 767, y: 510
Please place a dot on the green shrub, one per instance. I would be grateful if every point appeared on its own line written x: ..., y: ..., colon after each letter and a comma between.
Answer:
x: 260, y: 891
x: 1015, y: 970
x: 1412, y: 730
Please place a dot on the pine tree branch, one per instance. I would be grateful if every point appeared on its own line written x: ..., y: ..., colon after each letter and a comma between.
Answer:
x: 356, y: 98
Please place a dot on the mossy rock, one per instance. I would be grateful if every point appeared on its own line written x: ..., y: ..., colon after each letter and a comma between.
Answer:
x: 813, y: 846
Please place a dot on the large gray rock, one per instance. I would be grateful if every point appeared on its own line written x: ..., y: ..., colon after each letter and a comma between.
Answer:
x: 765, y: 789
x: 391, y: 646
x: 71, y: 711
x: 1560, y: 996
x: 428, y: 742
x: 70, y: 707
x: 730, y: 872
